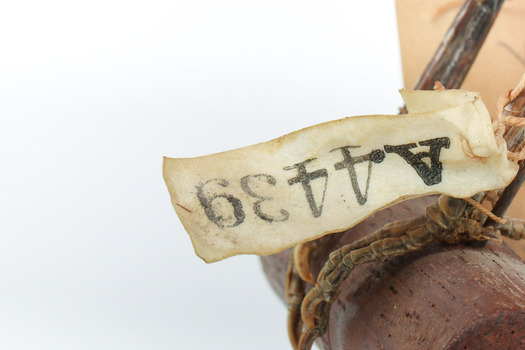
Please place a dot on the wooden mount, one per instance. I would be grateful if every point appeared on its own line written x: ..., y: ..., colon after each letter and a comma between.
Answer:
x: 442, y: 297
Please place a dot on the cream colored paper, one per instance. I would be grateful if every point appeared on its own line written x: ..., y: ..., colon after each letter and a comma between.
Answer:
x: 271, y: 196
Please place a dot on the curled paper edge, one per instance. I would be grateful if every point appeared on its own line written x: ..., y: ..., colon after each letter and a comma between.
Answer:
x: 484, y: 146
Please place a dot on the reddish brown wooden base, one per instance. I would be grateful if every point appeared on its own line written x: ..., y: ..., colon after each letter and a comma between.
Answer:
x: 442, y: 297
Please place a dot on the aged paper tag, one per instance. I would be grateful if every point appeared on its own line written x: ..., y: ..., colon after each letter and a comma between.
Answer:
x: 271, y: 196
x: 500, y: 63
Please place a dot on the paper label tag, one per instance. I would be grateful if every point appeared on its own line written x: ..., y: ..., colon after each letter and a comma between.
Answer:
x: 326, y: 178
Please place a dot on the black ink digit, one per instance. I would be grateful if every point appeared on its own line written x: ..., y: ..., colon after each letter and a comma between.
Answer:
x: 305, y: 178
x: 215, y: 212
x: 431, y: 175
x: 376, y: 156
x: 245, y: 185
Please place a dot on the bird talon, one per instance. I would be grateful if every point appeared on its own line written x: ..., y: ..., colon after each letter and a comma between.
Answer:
x: 301, y: 256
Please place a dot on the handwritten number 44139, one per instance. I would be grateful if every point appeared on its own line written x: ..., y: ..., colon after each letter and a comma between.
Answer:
x: 225, y: 210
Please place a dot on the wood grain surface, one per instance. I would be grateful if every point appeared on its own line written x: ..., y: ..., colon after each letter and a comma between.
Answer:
x: 442, y: 297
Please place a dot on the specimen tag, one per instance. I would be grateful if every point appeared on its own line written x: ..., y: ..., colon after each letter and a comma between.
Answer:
x: 326, y: 178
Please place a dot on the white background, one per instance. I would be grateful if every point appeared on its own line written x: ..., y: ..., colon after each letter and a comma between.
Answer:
x: 93, y: 94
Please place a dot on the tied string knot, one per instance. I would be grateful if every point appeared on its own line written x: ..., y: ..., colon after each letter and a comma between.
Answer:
x: 499, y: 124
x: 501, y: 121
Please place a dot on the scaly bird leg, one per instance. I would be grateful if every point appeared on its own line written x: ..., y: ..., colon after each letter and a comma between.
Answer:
x: 299, y: 270
x: 394, y: 229
x: 446, y: 221
x: 316, y: 305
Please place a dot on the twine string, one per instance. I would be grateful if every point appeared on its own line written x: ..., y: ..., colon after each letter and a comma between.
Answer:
x: 485, y: 211
x: 500, y: 122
